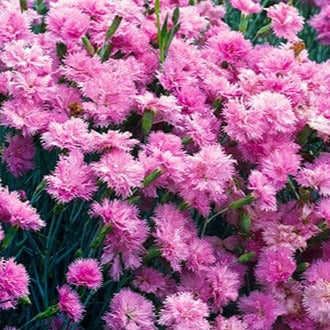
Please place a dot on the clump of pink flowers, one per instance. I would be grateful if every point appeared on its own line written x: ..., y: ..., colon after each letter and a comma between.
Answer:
x: 164, y: 164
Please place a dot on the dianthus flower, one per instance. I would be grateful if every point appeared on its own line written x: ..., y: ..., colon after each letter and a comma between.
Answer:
x: 182, y: 311
x: 275, y: 265
x: 130, y: 310
x: 69, y: 303
x: 246, y: 6
x: 19, y: 155
x: 286, y: 21
x: 120, y: 171
x: 72, y: 178
x: 260, y: 310
x: 233, y: 323
x: 14, y: 282
x: 320, y: 23
x: 85, y: 272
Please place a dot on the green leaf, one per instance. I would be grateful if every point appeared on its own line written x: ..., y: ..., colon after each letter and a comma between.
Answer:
x: 9, y: 237
x: 89, y: 47
x: 113, y: 27
x: 105, y: 52
x: 264, y: 31
x: 152, y: 177
x: 24, y: 301
x: 147, y: 120
x: 157, y: 7
x: 23, y: 4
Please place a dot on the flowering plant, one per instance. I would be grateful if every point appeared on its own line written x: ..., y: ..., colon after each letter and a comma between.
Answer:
x: 164, y: 164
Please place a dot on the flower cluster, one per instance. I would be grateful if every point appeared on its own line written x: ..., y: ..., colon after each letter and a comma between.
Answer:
x: 172, y: 160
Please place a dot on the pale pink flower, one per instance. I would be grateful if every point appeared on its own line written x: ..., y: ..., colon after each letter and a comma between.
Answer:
x: 260, y: 310
x: 233, y: 323
x: 275, y: 265
x: 14, y: 281
x: 120, y: 171
x: 316, y: 301
x: 19, y: 154
x: 130, y: 311
x: 246, y: 6
x: 286, y: 21
x: 69, y: 303
x: 182, y: 311
x: 17, y: 212
x: 319, y: 270
x: 72, y: 178
x: 85, y: 272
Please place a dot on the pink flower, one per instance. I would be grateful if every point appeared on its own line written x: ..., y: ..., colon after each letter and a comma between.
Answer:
x: 316, y: 301
x: 246, y: 6
x: 150, y: 280
x: 286, y: 20
x: 320, y: 23
x: 233, y: 323
x: 69, y: 303
x: 130, y: 310
x: 319, y: 270
x: 174, y: 231
x: 18, y: 213
x: 275, y: 265
x: 71, y: 179
x: 323, y: 209
x: 263, y: 191
x: 85, y: 272
x: 277, y: 110
x: 260, y: 310
x: 223, y: 285
x: 69, y: 135
x: 182, y: 311
x: 19, y: 155
x: 14, y: 282
x: 120, y: 171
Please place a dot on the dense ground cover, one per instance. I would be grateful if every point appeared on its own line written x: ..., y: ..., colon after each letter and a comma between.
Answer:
x: 164, y: 164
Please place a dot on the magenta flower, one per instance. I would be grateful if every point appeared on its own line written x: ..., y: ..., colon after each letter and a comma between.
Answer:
x: 182, y: 311
x: 19, y: 155
x: 14, y: 281
x: 85, y: 272
x: 320, y: 23
x: 275, y: 265
x: 260, y: 310
x: 130, y: 310
x: 69, y: 303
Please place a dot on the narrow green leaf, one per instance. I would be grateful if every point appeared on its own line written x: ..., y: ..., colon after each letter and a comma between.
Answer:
x: 99, y: 239
x: 9, y: 237
x: 264, y: 31
x: 147, y: 120
x: 157, y: 7
x: 50, y: 311
x: 152, y: 177
x: 113, y: 27
x: 105, y: 52
x: 245, y: 222
x: 89, y: 47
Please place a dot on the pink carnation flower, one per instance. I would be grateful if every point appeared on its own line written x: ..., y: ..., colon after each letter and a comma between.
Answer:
x: 14, y: 282
x: 246, y: 6
x: 233, y: 323
x: 120, y: 171
x: 182, y: 311
x: 17, y: 212
x: 321, y: 23
x: 71, y: 179
x: 69, y: 303
x: 85, y: 272
x: 260, y: 310
x: 263, y: 191
x: 130, y: 310
x: 286, y: 21
x: 275, y: 265
x: 19, y: 155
